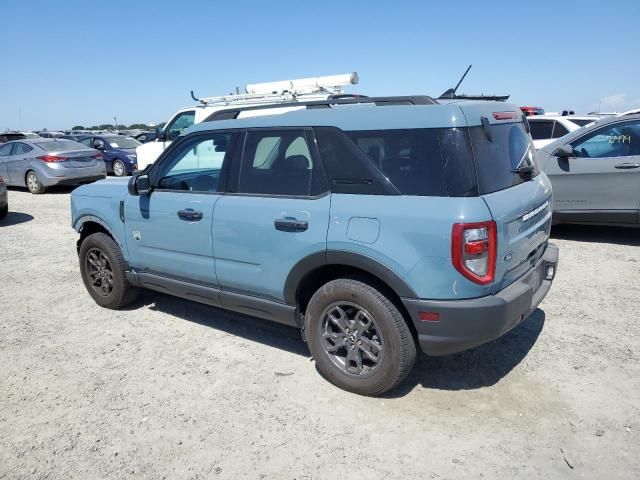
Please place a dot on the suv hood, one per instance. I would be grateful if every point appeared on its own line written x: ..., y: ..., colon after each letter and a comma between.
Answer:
x: 107, y: 188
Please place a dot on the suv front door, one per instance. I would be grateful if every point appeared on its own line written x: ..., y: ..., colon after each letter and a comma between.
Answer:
x: 169, y: 230
x: 275, y: 213
x: 601, y: 182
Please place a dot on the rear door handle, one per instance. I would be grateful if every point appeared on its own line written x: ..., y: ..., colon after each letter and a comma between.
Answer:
x: 627, y: 165
x: 290, y: 225
x: 189, y: 214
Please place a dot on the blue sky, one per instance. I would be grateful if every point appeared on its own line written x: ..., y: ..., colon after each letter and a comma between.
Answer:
x: 70, y: 62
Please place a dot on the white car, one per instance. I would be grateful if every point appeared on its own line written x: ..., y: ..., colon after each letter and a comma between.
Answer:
x: 259, y: 94
x: 546, y: 128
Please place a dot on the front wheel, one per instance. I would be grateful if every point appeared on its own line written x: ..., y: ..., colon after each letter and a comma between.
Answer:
x: 359, y: 339
x: 34, y: 185
x: 103, y: 270
x: 118, y: 168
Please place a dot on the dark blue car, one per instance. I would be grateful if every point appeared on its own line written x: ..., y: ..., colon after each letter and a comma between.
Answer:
x: 119, y: 152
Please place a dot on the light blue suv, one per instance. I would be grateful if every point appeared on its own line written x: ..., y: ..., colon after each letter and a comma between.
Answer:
x: 371, y: 226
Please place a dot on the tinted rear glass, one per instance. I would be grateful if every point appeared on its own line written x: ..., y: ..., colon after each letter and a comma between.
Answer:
x: 510, y: 147
x: 428, y: 162
x: 541, y: 130
x: 581, y: 123
x: 60, y: 145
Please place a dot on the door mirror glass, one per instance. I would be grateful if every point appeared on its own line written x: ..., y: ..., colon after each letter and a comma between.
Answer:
x: 565, y: 151
x: 139, y: 185
x: 98, y: 144
x: 158, y: 132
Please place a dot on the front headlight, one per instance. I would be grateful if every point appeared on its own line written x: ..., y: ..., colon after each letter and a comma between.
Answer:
x: 132, y: 157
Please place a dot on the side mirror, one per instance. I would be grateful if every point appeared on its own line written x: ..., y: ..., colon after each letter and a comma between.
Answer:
x: 565, y: 151
x: 98, y: 145
x: 139, y: 185
x: 159, y: 134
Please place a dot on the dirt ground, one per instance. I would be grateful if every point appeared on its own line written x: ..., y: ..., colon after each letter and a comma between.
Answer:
x: 172, y: 389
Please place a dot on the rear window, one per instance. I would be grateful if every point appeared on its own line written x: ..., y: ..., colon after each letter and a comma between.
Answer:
x: 427, y: 162
x: 581, y: 122
x: 60, y: 145
x: 510, y: 147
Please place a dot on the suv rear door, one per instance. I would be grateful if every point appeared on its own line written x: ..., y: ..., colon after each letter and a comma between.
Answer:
x: 601, y: 182
x: 275, y: 213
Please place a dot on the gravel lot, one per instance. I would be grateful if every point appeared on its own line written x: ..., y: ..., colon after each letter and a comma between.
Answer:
x: 173, y: 389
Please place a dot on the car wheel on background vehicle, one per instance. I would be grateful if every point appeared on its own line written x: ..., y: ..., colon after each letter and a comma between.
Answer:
x: 118, y: 168
x: 4, y: 211
x: 34, y: 185
x: 103, y: 272
x: 358, y: 338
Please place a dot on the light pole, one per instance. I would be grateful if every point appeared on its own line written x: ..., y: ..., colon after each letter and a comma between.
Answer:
x: 115, y: 124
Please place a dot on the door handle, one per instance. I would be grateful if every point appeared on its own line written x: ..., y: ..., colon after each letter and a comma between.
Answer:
x: 290, y: 225
x: 189, y: 214
x: 627, y: 165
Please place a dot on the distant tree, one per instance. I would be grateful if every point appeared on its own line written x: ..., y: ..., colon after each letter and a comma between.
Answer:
x: 78, y: 127
x: 138, y: 126
x: 161, y: 124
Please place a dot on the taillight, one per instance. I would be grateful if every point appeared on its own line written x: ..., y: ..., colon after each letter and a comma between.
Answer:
x: 97, y: 156
x: 473, y: 250
x: 52, y: 158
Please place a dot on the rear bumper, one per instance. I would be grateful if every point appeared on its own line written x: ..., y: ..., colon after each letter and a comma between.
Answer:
x: 50, y: 177
x: 465, y: 324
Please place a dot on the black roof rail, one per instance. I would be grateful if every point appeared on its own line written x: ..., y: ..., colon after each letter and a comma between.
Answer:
x: 231, y: 113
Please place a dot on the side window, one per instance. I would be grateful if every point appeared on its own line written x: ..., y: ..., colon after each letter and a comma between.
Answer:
x: 181, y: 122
x: 277, y: 163
x: 5, y: 150
x: 541, y: 129
x: 21, y: 149
x: 619, y: 140
x: 86, y: 141
x: 559, y: 130
x: 195, y: 165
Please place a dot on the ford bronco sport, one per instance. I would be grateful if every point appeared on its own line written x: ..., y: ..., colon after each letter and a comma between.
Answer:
x: 371, y: 228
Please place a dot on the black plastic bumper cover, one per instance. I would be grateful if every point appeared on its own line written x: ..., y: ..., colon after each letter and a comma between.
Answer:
x: 465, y: 324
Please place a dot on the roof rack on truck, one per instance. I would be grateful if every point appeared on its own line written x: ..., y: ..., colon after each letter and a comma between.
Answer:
x: 313, y: 88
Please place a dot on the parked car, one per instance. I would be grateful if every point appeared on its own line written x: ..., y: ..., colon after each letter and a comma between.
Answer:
x: 145, y: 137
x: 9, y: 136
x: 74, y: 137
x: 119, y: 152
x: 531, y: 111
x: 371, y: 228
x: 4, y: 200
x: 50, y: 134
x: 43, y: 163
x: 546, y: 128
x: 259, y: 94
x: 595, y: 172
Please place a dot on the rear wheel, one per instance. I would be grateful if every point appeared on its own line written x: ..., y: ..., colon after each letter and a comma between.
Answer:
x: 359, y: 339
x: 34, y: 185
x: 4, y: 211
x: 103, y: 270
x: 118, y: 168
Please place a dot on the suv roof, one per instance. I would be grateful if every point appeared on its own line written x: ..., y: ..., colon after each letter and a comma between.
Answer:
x: 370, y: 116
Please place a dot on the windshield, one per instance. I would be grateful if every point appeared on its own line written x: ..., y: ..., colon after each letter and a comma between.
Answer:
x: 497, y: 159
x: 60, y: 145
x: 122, y: 142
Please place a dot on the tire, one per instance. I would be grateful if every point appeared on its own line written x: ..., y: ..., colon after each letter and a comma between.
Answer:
x: 4, y: 211
x: 392, y: 350
x: 33, y: 183
x: 119, y: 170
x: 103, y: 268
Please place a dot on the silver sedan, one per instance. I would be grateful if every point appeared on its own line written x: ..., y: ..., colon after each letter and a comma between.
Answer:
x: 41, y: 163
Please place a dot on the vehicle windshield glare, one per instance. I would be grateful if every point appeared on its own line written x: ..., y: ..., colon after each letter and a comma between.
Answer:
x: 60, y: 145
x: 123, y: 142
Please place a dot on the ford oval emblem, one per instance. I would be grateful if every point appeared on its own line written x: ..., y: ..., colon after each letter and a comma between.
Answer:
x: 508, y: 257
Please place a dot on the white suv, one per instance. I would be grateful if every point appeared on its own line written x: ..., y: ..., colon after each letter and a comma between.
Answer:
x: 546, y: 128
x: 270, y: 93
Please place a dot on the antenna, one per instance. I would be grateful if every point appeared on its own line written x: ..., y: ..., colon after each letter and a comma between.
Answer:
x: 463, y: 75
